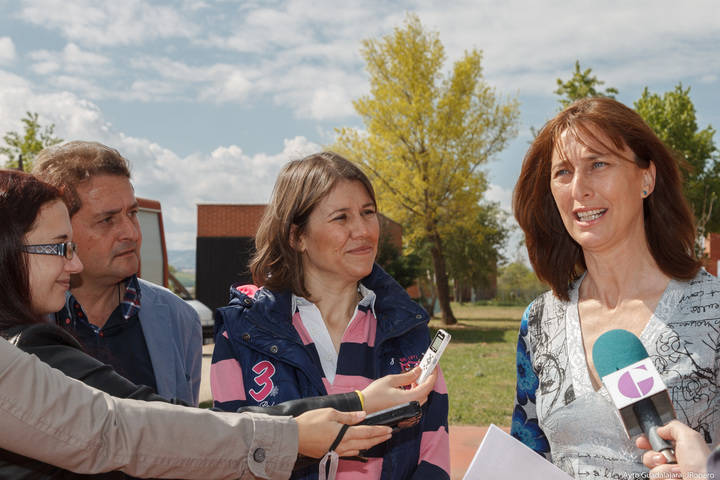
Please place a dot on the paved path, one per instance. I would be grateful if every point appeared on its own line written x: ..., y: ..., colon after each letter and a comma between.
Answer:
x: 464, y: 439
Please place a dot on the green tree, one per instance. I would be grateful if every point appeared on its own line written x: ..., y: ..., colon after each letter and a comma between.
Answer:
x: 473, y: 250
x: 426, y: 135
x: 672, y: 117
x: 518, y: 284
x: 581, y: 85
x: 403, y: 268
x: 29, y: 143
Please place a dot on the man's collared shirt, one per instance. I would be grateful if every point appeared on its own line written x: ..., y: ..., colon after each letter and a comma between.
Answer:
x: 120, y: 342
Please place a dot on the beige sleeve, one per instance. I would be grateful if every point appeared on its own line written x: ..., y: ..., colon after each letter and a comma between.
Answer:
x: 58, y: 420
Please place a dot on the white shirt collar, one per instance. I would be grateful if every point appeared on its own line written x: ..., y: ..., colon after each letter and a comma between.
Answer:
x: 368, y: 299
x: 315, y: 326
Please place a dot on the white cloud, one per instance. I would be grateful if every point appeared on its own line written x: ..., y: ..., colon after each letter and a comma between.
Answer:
x: 225, y: 175
x: 73, y: 117
x: 45, y: 67
x: 194, y: 5
x: 227, y: 84
x: 218, y: 83
x: 12, y: 88
x: 129, y: 22
x: 149, y: 90
x: 496, y: 193
x: 330, y: 102
x: 310, y: 29
x: 310, y: 49
x: 71, y: 59
x: 83, y: 84
x: 312, y: 91
x: 7, y: 50
x: 74, y: 56
x: 526, y: 44
x: 167, y: 67
x: 305, y: 55
x: 320, y: 92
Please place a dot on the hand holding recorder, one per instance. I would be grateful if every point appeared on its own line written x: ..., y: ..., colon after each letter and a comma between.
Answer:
x: 385, y: 392
x: 433, y: 354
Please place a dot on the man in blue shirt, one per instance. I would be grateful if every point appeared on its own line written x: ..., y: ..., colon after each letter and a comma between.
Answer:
x: 144, y: 331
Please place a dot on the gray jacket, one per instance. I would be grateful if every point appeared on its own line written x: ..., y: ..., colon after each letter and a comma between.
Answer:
x: 173, y: 335
x: 58, y: 420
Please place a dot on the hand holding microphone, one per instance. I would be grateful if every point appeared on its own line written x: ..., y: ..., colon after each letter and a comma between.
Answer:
x: 690, y: 447
x: 636, y: 388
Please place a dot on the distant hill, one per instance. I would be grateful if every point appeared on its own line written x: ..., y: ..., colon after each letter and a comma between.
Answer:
x: 182, y: 259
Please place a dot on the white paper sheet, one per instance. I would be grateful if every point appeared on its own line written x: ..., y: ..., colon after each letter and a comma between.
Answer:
x: 502, y: 456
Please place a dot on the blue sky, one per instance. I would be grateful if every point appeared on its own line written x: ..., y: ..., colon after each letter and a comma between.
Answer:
x: 209, y: 99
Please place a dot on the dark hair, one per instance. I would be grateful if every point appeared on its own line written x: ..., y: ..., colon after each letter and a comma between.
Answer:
x: 300, y: 186
x: 68, y: 165
x: 21, y: 198
x: 669, y: 226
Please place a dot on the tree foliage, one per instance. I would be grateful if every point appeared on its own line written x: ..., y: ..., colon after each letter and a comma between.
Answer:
x: 672, y: 117
x: 426, y: 135
x: 473, y: 250
x: 403, y: 268
x: 518, y: 284
x: 29, y: 143
x: 581, y: 85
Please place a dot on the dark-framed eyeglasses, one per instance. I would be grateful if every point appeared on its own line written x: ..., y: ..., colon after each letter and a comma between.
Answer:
x: 65, y: 249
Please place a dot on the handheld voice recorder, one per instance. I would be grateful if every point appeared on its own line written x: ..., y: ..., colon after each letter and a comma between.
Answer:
x: 432, y: 356
x: 395, y: 416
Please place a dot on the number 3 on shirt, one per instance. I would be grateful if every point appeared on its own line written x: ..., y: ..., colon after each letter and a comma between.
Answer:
x: 264, y: 370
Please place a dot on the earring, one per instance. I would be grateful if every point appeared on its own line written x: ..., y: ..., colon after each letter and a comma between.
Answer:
x: 644, y: 193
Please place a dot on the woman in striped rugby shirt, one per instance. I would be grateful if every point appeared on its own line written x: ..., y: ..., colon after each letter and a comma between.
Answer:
x: 327, y: 318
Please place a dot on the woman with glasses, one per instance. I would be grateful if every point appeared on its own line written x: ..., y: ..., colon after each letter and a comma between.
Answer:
x: 34, y: 216
x: 37, y: 258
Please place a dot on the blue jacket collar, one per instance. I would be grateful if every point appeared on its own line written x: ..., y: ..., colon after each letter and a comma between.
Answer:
x: 265, y: 322
x: 271, y: 311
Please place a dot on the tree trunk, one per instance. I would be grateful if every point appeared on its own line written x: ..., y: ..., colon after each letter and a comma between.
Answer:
x: 428, y: 293
x: 441, y: 278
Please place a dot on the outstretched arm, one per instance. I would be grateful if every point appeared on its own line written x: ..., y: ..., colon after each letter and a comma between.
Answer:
x: 50, y: 417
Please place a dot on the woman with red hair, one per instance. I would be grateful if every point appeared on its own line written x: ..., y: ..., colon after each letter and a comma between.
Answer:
x: 607, y: 227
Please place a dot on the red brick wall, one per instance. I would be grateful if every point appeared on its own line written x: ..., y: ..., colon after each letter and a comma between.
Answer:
x: 391, y: 230
x: 712, y: 250
x: 228, y: 220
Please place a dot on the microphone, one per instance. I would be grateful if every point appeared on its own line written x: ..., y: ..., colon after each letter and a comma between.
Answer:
x: 635, y: 386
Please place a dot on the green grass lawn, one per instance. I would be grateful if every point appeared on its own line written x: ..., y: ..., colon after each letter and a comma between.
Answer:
x: 479, y: 364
